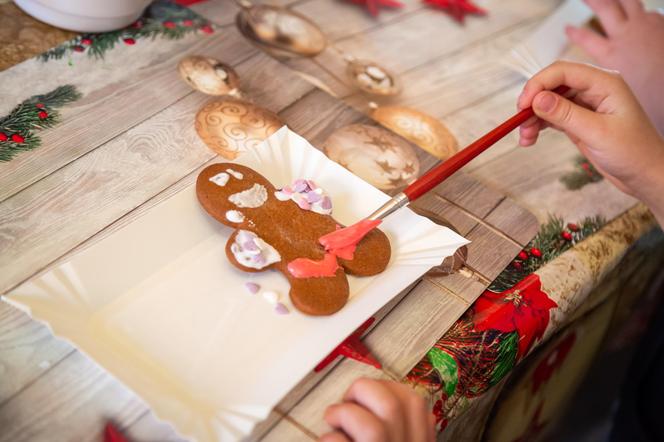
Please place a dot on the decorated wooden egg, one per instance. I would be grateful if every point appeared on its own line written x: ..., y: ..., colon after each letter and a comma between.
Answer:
x: 208, y: 75
x: 283, y: 29
x: 418, y: 127
x: 230, y: 126
x: 374, y: 154
x: 372, y: 78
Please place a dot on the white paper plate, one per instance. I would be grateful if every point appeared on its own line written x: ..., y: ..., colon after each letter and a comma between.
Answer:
x: 158, y: 305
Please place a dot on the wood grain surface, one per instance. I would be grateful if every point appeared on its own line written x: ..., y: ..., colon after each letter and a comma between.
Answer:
x: 101, y: 168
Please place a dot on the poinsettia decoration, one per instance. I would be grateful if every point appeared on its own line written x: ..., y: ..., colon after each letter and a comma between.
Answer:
x: 373, y: 6
x: 524, y: 308
x: 457, y: 9
x: 552, y: 361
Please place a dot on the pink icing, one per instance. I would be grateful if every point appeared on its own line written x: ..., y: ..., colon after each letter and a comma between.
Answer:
x: 308, y: 268
x: 341, y: 240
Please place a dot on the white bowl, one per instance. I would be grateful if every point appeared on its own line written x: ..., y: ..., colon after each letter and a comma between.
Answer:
x: 85, y: 15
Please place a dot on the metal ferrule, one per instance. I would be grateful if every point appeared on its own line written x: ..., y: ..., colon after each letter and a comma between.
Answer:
x: 395, y: 203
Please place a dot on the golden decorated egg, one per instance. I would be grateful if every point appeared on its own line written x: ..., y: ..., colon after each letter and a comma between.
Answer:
x: 418, y: 127
x: 374, y: 154
x: 230, y: 126
x: 208, y: 75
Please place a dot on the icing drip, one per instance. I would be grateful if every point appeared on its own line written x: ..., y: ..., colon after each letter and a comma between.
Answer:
x: 234, y: 216
x: 251, y: 198
x: 236, y: 174
x: 308, y: 268
x: 251, y: 251
x: 307, y: 195
x: 220, y: 179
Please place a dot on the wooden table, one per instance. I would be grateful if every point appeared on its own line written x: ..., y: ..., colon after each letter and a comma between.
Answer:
x: 90, y: 179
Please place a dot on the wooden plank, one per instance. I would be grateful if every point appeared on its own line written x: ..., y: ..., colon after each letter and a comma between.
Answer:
x: 413, y: 327
x: 27, y: 351
x: 289, y: 431
x: 514, y: 221
x: 140, y: 92
x: 443, y: 212
x: 467, y: 288
x: 464, y: 191
x: 406, y: 43
x: 72, y: 403
x: 489, y: 254
x: 149, y: 428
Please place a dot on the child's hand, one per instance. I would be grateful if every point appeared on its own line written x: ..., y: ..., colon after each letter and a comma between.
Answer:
x: 605, y: 121
x: 634, y: 46
x: 376, y: 411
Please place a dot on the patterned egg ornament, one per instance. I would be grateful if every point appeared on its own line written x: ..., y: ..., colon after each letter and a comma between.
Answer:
x: 229, y: 126
x: 419, y: 128
x: 374, y: 154
x: 208, y: 75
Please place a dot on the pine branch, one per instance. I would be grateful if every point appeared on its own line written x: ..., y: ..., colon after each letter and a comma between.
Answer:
x: 550, y: 243
x: 586, y: 173
x: 35, y: 113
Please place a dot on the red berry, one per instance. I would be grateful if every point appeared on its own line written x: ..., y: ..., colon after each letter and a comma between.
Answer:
x: 86, y: 41
x: 129, y: 41
x: 137, y: 24
x: 42, y: 115
x: 207, y: 29
x: 537, y: 253
x: 16, y: 138
x: 3, y: 136
x: 169, y: 24
x: 517, y: 265
x: 523, y: 255
x: 566, y: 236
x: 187, y: 22
x: 79, y: 48
x: 39, y: 105
x: 573, y: 227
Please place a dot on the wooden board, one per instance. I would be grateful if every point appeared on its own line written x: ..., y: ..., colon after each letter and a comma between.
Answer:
x: 60, y: 200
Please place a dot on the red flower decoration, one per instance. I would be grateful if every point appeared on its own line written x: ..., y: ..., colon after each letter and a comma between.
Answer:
x: 169, y: 24
x: 373, y: 6
x: 42, y: 115
x: 16, y: 138
x: 3, y: 136
x: 439, y: 414
x: 552, y: 361
x: 129, y: 41
x: 207, y: 29
x: 458, y: 9
x: 524, y: 308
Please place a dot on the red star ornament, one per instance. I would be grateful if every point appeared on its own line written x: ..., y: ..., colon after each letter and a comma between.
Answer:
x: 524, y: 308
x: 352, y: 347
x: 373, y: 6
x: 458, y: 9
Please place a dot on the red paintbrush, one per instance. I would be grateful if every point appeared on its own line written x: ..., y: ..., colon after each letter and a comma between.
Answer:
x: 351, y: 235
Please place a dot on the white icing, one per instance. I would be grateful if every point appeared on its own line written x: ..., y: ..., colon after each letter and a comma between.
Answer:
x: 271, y: 297
x: 220, y: 179
x: 251, y: 251
x: 252, y: 198
x: 234, y: 216
x: 307, y: 195
x: 235, y: 173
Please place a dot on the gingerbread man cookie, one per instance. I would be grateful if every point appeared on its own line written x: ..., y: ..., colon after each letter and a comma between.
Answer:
x: 280, y: 229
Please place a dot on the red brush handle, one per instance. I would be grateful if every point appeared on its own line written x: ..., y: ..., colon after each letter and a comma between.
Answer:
x: 437, y: 174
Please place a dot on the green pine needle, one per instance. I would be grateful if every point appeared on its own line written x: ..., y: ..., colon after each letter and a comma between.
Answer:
x: 581, y: 176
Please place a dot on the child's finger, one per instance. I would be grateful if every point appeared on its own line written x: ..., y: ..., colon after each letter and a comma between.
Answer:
x: 579, y: 77
x: 610, y: 14
x: 575, y: 120
x: 334, y: 436
x: 633, y: 8
x: 590, y: 41
x: 355, y: 421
